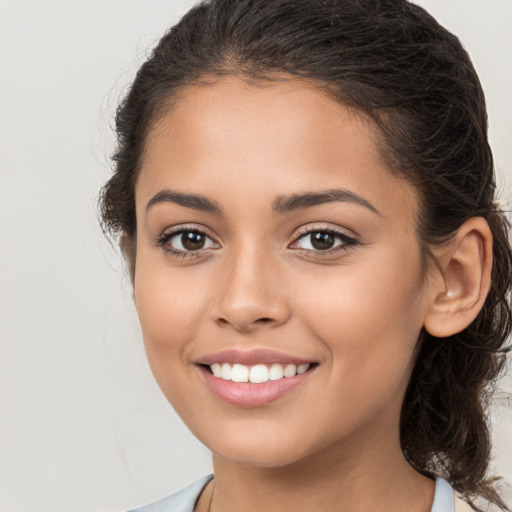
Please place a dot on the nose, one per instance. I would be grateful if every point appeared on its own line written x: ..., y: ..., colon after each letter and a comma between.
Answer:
x: 251, y: 295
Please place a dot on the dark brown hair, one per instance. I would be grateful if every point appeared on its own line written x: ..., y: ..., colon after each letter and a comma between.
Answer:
x: 392, y: 61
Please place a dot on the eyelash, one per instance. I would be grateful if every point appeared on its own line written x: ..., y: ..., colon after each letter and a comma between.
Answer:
x: 348, y: 241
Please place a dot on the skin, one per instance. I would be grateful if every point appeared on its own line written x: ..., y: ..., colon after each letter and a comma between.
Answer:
x: 332, y: 443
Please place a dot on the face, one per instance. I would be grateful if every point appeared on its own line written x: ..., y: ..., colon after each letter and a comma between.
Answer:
x: 273, y: 245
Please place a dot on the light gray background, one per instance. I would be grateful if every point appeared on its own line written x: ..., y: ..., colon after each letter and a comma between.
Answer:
x: 83, y: 425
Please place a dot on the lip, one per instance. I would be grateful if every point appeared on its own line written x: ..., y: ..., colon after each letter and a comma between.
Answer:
x: 251, y: 357
x: 249, y: 395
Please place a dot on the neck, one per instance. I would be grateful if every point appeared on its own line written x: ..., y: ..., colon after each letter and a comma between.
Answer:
x: 341, y: 478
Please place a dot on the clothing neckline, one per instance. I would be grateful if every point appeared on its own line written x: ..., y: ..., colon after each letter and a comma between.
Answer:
x: 186, y: 499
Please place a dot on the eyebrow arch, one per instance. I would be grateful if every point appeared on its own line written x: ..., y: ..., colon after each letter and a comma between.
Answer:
x: 282, y: 204
x: 195, y: 201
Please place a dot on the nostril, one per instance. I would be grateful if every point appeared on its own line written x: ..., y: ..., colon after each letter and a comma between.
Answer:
x: 245, y: 324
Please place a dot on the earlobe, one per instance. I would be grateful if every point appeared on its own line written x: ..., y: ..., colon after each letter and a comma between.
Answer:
x: 460, y: 288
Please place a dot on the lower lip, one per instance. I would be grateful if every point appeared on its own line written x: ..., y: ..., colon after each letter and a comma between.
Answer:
x: 246, y: 394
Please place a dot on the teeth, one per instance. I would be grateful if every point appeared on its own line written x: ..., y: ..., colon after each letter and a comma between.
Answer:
x: 258, y: 373
x: 302, y: 368
x: 226, y: 371
x: 290, y: 370
x: 216, y: 369
x: 276, y: 372
x: 240, y: 373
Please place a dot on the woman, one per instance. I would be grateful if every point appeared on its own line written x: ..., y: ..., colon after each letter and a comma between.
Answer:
x: 304, y: 193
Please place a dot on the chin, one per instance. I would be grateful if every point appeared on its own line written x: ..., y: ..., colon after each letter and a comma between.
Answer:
x: 262, y: 451
x: 259, y: 458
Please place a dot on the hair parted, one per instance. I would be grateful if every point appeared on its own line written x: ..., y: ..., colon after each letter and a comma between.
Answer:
x: 392, y: 61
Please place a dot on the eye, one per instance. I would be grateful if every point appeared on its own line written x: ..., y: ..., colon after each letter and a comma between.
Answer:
x: 324, y: 241
x: 185, y: 241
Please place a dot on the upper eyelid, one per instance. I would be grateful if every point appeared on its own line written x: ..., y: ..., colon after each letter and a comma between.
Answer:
x: 337, y: 230
x: 301, y: 231
x: 175, y: 230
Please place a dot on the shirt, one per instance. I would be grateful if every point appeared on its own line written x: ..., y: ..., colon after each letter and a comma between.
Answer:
x: 185, y: 500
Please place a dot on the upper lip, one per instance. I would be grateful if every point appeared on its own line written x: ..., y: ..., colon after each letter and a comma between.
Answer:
x: 251, y: 357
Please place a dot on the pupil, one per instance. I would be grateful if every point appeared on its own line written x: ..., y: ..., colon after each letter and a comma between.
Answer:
x: 322, y: 240
x: 192, y: 240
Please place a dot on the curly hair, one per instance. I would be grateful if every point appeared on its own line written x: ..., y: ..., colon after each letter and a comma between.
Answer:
x: 392, y: 61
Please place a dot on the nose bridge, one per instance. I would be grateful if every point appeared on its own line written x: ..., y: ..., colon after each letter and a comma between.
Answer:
x: 251, y: 292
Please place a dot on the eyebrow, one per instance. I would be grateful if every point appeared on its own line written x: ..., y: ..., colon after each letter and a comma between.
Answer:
x: 194, y: 201
x: 282, y: 204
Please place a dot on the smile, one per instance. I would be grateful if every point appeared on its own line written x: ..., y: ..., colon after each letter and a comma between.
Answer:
x: 253, y: 378
x: 258, y: 373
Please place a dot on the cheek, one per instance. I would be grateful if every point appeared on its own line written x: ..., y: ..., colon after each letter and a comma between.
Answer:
x: 368, y: 321
x: 368, y: 315
x: 168, y: 305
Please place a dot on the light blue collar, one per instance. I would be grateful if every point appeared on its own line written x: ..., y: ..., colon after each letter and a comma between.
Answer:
x: 443, y: 497
x: 185, y: 500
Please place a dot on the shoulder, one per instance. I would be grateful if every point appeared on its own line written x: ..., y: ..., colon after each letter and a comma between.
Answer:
x: 446, y: 500
x: 461, y: 505
x: 182, y: 501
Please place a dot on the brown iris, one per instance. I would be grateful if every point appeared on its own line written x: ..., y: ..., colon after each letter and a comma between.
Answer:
x: 322, y: 240
x: 192, y: 240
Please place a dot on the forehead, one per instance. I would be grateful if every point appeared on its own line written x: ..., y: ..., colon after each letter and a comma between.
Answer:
x: 274, y: 116
x: 278, y: 137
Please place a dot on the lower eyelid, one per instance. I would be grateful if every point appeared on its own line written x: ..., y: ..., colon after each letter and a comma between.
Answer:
x: 324, y: 252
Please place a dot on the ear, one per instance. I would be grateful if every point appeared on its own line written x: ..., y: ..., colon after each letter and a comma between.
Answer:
x: 461, y: 281
x: 128, y: 245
